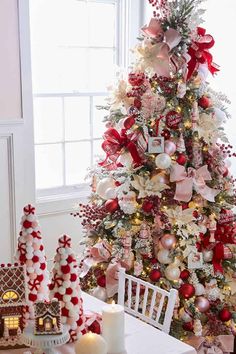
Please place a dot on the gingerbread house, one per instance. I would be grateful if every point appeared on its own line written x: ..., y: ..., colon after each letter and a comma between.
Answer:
x: 47, y: 317
x: 12, y: 304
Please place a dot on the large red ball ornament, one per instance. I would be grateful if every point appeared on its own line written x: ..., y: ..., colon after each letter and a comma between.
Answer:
x: 181, y: 159
x: 184, y: 275
x: 205, y: 102
x: 101, y: 281
x: 165, y: 133
x: 147, y: 206
x: 155, y: 275
x: 187, y: 291
x: 188, y: 326
x: 129, y: 122
x: 111, y: 205
x: 225, y: 315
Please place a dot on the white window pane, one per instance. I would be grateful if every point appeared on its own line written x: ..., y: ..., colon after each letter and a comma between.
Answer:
x: 101, y: 24
x: 48, y: 125
x: 98, y: 117
x: 77, y: 112
x: 49, y: 170
x: 101, y: 68
x: 77, y: 162
x: 98, y: 152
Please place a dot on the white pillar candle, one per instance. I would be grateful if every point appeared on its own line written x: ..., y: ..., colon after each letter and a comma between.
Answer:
x: 91, y: 343
x: 113, y: 328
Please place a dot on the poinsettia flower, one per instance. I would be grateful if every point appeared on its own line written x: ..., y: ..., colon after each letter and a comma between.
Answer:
x: 208, y: 129
x: 119, y: 98
x: 148, y: 186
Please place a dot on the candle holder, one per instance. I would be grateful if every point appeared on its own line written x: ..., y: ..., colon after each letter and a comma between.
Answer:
x: 113, y: 328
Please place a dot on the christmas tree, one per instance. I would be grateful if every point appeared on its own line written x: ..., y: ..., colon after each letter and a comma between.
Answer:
x: 66, y: 288
x: 31, y: 252
x: 163, y: 195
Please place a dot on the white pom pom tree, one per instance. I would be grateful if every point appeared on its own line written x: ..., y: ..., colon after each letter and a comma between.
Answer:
x: 31, y: 252
x: 65, y: 287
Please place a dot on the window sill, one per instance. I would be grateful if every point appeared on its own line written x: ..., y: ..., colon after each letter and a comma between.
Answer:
x: 63, y: 201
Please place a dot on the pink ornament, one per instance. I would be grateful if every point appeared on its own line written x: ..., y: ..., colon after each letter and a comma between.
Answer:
x: 169, y: 147
x: 202, y: 304
x: 168, y: 241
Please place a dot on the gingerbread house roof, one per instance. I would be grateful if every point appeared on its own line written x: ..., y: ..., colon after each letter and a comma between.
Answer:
x: 12, y: 278
x: 41, y: 308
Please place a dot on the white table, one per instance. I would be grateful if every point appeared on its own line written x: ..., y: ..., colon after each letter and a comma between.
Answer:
x: 140, y: 338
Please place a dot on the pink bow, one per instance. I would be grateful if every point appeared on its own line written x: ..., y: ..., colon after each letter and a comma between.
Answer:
x: 222, y: 344
x: 186, y: 181
x: 101, y: 251
x: 166, y: 42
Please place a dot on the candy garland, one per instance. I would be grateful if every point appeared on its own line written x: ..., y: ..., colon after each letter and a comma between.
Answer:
x: 31, y: 252
x: 65, y: 287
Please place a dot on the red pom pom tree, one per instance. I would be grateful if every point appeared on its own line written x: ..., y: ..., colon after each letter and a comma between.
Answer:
x: 30, y: 251
x: 65, y: 287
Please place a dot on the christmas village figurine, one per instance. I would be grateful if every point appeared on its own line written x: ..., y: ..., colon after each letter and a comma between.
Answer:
x: 47, y: 317
x: 12, y: 305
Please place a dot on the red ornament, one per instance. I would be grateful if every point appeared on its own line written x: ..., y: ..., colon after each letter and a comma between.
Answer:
x: 136, y: 79
x: 165, y: 133
x: 69, y: 291
x: 95, y: 327
x: 58, y: 296
x: 111, y: 205
x: 155, y: 275
x: 70, y: 259
x: 129, y: 122
x: 101, y: 281
x: 35, y: 259
x: 40, y: 277
x: 73, y: 277
x: 147, y: 206
x: 65, y: 269
x: 65, y: 312
x: 173, y: 119
x: 188, y: 326
x: 187, y: 291
x: 205, y: 102
x: 181, y: 159
x: 184, y: 275
x: 225, y: 315
x: 137, y: 103
x: 43, y: 266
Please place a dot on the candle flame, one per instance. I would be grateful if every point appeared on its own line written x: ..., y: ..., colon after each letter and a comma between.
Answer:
x: 113, y: 304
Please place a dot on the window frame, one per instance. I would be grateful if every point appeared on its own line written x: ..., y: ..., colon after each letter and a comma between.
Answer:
x: 130, y: 14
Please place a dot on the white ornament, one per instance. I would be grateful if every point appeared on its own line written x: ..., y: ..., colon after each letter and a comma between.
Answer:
x: 127, y: 202
x: 103, y: 186
x: 163, y: 256
x: 111, y: 193
x: 163, y: 161
x: 126, y: 160
x: 172, y: 272
x: 199, y: 289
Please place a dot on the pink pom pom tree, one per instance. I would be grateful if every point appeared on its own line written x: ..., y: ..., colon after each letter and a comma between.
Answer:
x: 65, y: 287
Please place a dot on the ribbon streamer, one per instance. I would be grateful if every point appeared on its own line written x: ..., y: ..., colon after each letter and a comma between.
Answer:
x: 187, y: 180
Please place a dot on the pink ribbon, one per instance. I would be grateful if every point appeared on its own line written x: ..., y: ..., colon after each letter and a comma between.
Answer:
x: 223, y: 344
x: 101, y: 251
x: 167, y: 41
x: 187, y: 180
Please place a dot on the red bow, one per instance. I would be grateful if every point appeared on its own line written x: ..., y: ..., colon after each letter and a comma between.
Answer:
x: 29, y: 209
x: 199, y: 53
x: 115, y: 142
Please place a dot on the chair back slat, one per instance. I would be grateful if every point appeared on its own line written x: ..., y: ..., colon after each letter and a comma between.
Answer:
x: 162, y: 302
x: 145, y: 300
x: 137, y: 297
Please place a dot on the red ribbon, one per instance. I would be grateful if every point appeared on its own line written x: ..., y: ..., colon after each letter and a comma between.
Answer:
x: 218, y: 256
x: 115, y: 142
x: 199, y: 53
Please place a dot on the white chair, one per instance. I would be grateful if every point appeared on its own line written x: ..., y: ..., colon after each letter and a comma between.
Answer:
x: 149, y: 309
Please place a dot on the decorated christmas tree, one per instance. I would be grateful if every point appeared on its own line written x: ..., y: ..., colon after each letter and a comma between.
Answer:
x: 66, y: 288
x: 163, y: 195
x: 31, y: 252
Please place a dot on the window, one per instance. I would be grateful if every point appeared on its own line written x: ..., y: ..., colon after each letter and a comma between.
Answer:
x: 11, y: 322
x: 75, y: 46
x: 10, y: 296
